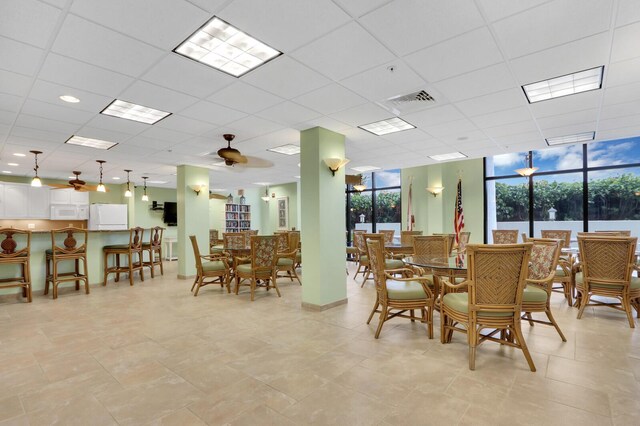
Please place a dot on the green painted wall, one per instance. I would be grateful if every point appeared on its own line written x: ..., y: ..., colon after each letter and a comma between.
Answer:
x: 435, y: 214
x: 269, y: 218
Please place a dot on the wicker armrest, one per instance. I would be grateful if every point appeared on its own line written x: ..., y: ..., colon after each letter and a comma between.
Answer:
x: 447, y: 283
x: 404, y: 271
x: 239, y: 260
x: 422, y: 280
x: 577, y: 267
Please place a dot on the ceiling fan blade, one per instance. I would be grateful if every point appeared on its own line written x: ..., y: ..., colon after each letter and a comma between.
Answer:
x: 59, y: 185
x: 217, y: 197
x: 85, y: 188
x: 257, y: 163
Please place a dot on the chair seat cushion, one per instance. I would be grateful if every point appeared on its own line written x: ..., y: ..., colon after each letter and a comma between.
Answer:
x: 298, y: 258
x: 285, y: 261
x: 244, y: 268
x: 116, y: 247
x: 216, y: 250
x: 364, y: 258
x: 460, y: 302
x: 393, y: 264
x: 560, y: 272
x: 635, y: 283
x: 405, y: 290
x: 216, y: 265
x: 352, y: 250
x: 534, y: 294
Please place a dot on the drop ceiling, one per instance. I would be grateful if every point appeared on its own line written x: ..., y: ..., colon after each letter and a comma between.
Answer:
x: 341, y: 60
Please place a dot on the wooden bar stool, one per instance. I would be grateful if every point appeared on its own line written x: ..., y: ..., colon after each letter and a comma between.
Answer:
x: 153, y: 247
x: 134, y: 247
x: 20, y: 257
x: 69, y: 250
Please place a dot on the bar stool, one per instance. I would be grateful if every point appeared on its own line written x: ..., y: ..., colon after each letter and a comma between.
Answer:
x: 70, y: 250
x: 152, y: 247
x: 134, y: 247
x: 10, y: 256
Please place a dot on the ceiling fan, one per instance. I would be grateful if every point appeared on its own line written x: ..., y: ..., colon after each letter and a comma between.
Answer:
x: 232, y: 156
x: 214, y: 196
x: 77, y: 184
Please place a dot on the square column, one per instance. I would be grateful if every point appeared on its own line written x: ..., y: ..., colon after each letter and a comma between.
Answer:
x: 193, y: 217
x: 322, y: 206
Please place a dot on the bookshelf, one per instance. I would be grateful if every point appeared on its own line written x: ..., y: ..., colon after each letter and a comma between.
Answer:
x: 237, y: 217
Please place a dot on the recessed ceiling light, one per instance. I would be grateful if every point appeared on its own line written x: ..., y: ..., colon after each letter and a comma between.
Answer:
x: 7, y: 172
x: 115, y: 178
x: 564, y: 85
x: 19, y: 154
x: 70, y: 99
x: 363, y: 169
x: 449, y: 156
x: 580, y: 137
x: 91, y: 143
x: 262, y: 183
x: 135, y: 112
x: 159, y: 182
x: 390, y: 125
x: 13, y: 164
x: 225, y: 48
x: 288, y: 149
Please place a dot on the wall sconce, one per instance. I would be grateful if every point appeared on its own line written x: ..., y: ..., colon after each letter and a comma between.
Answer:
x: 435, y: 190
x: 197, y: 188
x: 335, y: 164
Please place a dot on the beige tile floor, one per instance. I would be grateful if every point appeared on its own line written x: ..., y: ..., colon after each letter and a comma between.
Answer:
x: 153, y: 354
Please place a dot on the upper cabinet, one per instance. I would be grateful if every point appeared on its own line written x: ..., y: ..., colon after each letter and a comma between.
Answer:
x: 16, y: 201
x: 69, y: 196
x: 38, y: 202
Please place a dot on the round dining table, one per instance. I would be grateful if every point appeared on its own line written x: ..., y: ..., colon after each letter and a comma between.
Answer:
x: 451, y: 267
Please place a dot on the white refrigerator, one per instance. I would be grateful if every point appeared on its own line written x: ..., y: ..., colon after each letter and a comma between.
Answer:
x: 107, y: 217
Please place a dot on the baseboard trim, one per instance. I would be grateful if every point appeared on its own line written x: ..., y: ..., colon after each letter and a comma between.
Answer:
x: 319, y: 308
x: 186, y: 277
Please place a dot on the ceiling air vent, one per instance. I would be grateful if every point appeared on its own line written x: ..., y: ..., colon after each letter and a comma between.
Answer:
x: 409, y: 102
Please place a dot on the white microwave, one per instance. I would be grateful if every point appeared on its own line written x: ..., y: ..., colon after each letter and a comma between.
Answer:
x: 64, y: 212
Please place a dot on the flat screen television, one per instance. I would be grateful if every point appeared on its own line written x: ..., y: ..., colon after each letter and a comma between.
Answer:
x: 170, y: 215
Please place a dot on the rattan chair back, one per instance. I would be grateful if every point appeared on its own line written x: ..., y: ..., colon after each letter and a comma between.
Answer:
x: 434, y: 246
x: 196, y: 253
x: 283, y: 241
x: 388, y: 235
x: 359, y: 241
x: 615, y: 233
x: 234, y: 240
x: 375, y: 247
x: 64, y: 242
x: 264, y: 252
x: 607, y: 259
x: 16, y: 243
x: 451, y: 239
x: 505, y: 236
x: 406, y: 237
x: 294, y: 240
x: 544, y: 258
x: 463, y: 240
x: 135, y: 239
x: 155, y: 237
x: 558, y: 234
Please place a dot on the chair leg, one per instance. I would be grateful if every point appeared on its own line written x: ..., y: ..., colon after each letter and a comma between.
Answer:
x: 584, y: 301
x: 142, y: 267
x: 130, y: 268
x: 375, y: 307
x: 275, y: 285
x: 151, y: 259
x: 443, y: 322
x: 46, y: 277
x: 86, y: 274
x: 413, y: 315
x: 528, y: 315
x: 237, y: 283
x: 161, y: 264
x: 199, y: 280
x: 194, y: 284
x: 429, y: 313
x: 552, y: 320
x: 383, y: 318
x: 253, y: 288
x: 77, y: 266
x: 118, y: 267
x: 567, y: 293
x: 106, y: 267
x: 227, y: 279
x: 523, y: 345
x: 627, y: 309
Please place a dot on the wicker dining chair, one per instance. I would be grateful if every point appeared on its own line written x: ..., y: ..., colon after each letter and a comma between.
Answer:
x: 542, y: 269
x: 396, y: 296
x: 154, y: 250
x: 505, y: 236
x: 406, y: 237
x: 215, y: 267
x: 451, y: 239
x: 493, y: 301
x: 68, y: 245
x: 463, y: 240
x: 625, y: 233
x: 287, y: 252
x: 563, y: 270
x: 130, y: 251
x: 261, y: 269
x: 16, y: 254
x: 607, y: 265
x: 390, y: 264
x: 362, y: 258
x: 234, y: 244
x: 388, y: 235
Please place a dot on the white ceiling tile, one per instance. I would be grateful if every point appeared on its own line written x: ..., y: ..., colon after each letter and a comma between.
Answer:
x: 518, y: 139
x: 308, y: 20
x: 151, y: 142
x: 344, y: 52
x: 6, y: 118
x: 579, y: 55
x: 477, y: 83
x: 162, y: 23
x: 625, y: 42
x: 211, y: 6
x: 559, y: 106
x: 498, y: 9
x: 552, y: 24
x: 498, y: 118
x: 330, y: 99
x: 244, y: 97
x: 326, y: 122
x: 285, y: 77
x: 56, y: 112
x: 458, y: 128
x: 103, y: 134
x: 288, y: 113
x: 381, y: 83
x: 625, y: 72
x: 409, y: 25
x: 250, y: 127
x: 471, y: 51
x: 125, y: 151
x: 50, y: 92
x: 212, y: 113
x: 105, y: 48
x: 30, y: 21
x: 166, y: 134
x: 83, y: 76
x: 620, y: 110
x: 19, y: 57
x: 619, y: 122
x: 570, y: 129
x: 185, y: 125
x: 620, y: 94
x: 357, y: 8
x: 38, y: 134
x: 571, y: 118
x: 185, y: 75
x: 362, y: 114
x: 150, y: 95
x: 433, y: 116
x: 508, y: 130
x: 406, y: 136
x: 10, y: 102
x: 116, y: 124
x: 627, y: 132
x: 40, y: 123
x: 14, y: 84
x: 628, y: 12
x: 505, y: 99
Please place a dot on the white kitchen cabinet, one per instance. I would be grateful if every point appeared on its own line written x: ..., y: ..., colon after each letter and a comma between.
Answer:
x: 61, y: 196
x: 80, y: 198
x: 83, y: 212
x: 16, y: 201
x: 38, y: 202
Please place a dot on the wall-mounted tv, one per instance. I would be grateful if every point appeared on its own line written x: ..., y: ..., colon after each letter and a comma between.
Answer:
x: 170, y: 215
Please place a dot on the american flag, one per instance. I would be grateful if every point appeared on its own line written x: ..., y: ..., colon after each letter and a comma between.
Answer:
x: 458, y: 219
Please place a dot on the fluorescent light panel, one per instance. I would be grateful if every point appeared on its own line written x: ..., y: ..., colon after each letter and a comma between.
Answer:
x: 363, y: 169
x: 91, y: 143
x: 390, y: 125
x: 158, y: 182
x: 226, y: 48
x: 579, y: 137
x: 288, y: 149
x: 130, y: 111
x: 449, y: 156
x: 565, y: 85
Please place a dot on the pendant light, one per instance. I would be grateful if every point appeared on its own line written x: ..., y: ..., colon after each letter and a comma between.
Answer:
x: 36, y: 180
x: 266, y: 194
x: 127, y: 193
x: 101, y: 187
x: 145, y: 197
x: 528, y: 169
